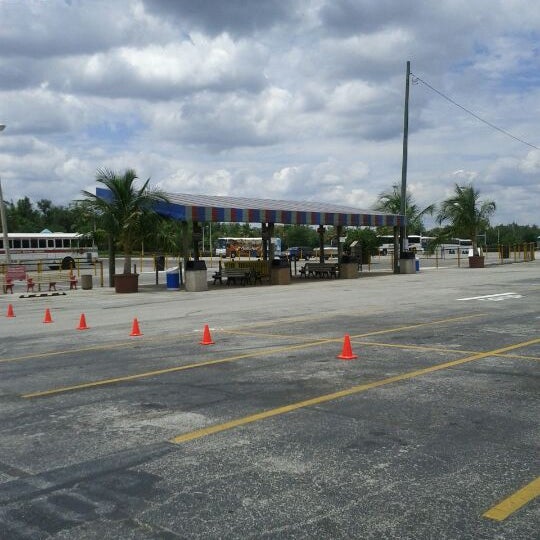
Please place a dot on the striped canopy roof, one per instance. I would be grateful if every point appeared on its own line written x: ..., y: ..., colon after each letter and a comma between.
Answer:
x: 205, y: 208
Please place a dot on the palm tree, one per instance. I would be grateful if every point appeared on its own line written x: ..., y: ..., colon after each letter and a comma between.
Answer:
x: 123, y: 214
x: 390, y: 201
x: 466, y: 213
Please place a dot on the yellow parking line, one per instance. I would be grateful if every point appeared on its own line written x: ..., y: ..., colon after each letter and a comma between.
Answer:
x: 253, y: 354
x: 521, y: 356
x: 66, y: 351
x: 358, y: 336
x: 340, y: 394
x: 101, y: 347
x: 414, y: 347
x: 514, y: 502
x: 160, y: 338
x: 419, y: 325
x: 440, y: 349
x: 261, y: 334
x: 136, y: 376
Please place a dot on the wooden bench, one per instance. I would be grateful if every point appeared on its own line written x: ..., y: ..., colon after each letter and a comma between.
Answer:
x: 323, y: 270
x: 233, y: 274
x: 50, y: 279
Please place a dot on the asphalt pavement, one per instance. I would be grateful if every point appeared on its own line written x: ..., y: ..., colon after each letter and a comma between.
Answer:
x: 431, y: 432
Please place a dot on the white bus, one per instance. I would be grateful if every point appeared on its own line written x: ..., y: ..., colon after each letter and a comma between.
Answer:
x: 56, y: 248
x: 455, y: 246
x: 229, y: 246
x: 414, y: 243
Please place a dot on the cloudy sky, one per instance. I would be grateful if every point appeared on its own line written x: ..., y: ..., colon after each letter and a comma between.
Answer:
x: 288, y: 99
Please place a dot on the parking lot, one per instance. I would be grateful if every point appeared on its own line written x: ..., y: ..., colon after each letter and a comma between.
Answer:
x: 431, y: 432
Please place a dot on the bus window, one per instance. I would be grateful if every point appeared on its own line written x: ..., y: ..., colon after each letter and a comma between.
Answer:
x: 34, y: 246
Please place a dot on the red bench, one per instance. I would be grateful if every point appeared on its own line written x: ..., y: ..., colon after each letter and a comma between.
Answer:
x: 50, y: 279
x: 13, y: 272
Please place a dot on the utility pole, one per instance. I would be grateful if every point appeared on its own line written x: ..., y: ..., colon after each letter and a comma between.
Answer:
x: 3, y: 217
x: 403, y: 210
x: 4, y: 226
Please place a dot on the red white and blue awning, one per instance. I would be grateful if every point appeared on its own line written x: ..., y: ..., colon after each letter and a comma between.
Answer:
x: 213, y: 208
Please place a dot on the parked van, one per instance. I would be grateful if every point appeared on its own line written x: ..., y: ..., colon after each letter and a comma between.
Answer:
x: 300, y: 252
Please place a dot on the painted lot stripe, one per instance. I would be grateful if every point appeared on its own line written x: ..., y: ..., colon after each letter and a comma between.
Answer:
x: 439, y: 349
x: 160, y: 338
x: 419, y: 325
x: 125, y: 378
x: 487, y: 296
x: 210, y: 430
x: 103, y: 347
x: 164, y: 339
x: 414, y: 347
x: 508, y: 506
x: 136, y: 376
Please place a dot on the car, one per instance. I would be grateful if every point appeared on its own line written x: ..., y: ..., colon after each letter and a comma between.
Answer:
x: 300, y: 252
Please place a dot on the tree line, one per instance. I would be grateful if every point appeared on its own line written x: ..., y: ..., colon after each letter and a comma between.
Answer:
x: 161, y: 234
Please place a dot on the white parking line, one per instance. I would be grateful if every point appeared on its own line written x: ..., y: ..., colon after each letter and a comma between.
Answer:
x: 494, y: 297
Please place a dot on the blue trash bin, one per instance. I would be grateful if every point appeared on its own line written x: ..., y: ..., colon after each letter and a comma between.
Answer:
x: 417, y: 264
x: 173, y: 279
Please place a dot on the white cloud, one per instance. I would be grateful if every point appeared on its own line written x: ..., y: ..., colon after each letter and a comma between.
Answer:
x: 531, y: 163
x: 300, y: 100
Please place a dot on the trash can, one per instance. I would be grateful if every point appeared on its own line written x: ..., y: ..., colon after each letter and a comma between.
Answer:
x: 407, y: 262
x: 173, y: 279
x: 280, y: 272
x: 196, y: 276
x: 417, y: 264
x: 86, y: 282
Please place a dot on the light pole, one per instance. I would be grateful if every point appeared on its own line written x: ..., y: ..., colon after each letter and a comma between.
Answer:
x: 3, y: 217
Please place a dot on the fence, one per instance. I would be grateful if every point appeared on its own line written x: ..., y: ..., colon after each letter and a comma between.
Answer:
x: 500, y: 254
x: 43, y: 266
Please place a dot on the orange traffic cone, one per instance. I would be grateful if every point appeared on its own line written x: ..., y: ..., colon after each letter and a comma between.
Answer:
x: 346, y: 353
x: 82, y: 323
x: 135, y: 330
x: 10, y: 312
x: 47, y: 318
x: 207, y: 338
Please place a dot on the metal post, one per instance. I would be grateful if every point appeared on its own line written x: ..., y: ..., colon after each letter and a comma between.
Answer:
x: 185, y: 243
x: 265, y: 240
x: 321, y: 230
x: 339, y: 234
x: 210, y: 242
x: 270, y: 245
x: 395, y: 254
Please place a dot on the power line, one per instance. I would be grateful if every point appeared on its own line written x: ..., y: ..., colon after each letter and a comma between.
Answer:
x: 416, y: 79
